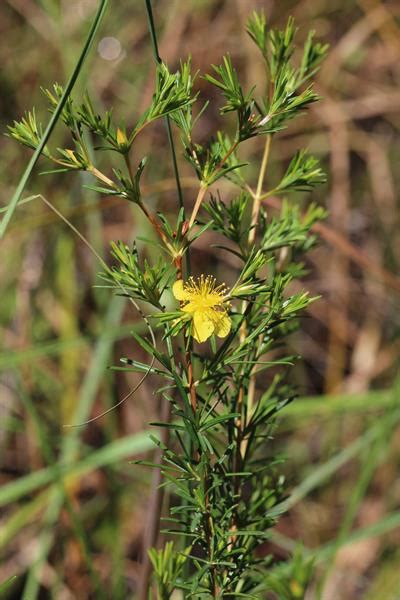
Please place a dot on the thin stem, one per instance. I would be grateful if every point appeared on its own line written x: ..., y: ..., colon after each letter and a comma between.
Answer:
x: 151, y: 218
x: 258, y: 194
x: 157, y: 495
x: 227, y: 155
x: 99, y: 175
x: 129, y: 165
x: 174, y: 163
x: 246, y: 411
x: 152, y: 30
x: 105, y: 266
x: 191, y: 384
x: 155, y: 224
x: 90, y: 169
x: 204, y: 186
x: 197, y: 204
x: 209, y: 528
x: 252, y: 234
x: 157, y: 492
x: 250, y: 393
x: 157, y: 57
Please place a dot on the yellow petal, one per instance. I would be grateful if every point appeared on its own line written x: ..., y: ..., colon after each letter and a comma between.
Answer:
x: 121, y: 137
x: 223, y: 325
x: 179, y: 291
x: 203, y: 326
x: 190, y: 307
x: 72, y: 156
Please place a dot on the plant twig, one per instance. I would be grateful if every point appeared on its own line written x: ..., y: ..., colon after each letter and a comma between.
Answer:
x: 252, y: 235
x: 204, y: 186
x: 197, y: 204
x: 257, y: 196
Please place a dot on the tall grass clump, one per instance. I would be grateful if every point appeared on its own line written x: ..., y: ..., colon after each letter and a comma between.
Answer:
x: 216, y: 348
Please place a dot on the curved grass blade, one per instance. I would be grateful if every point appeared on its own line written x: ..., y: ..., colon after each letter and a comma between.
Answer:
x: 46, y: 135
x: 7, y: 584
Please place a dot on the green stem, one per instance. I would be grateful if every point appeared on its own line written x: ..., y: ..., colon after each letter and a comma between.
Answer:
x: 258, y: 194
x: 252, y: 236
x: 246, y: 409
x: 157, y: 57
x: 157, y: 491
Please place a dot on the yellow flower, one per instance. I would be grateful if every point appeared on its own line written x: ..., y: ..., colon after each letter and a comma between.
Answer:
x: 206, y: 304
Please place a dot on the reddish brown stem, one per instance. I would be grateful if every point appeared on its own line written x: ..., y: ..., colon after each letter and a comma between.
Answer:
x: 192, y: 388
x: 154, y: 223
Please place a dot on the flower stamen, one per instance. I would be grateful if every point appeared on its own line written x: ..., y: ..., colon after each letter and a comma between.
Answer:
x: 206, y: 303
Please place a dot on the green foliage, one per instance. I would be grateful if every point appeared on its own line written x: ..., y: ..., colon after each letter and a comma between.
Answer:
x: 40, y: 147
x: 291, y: 228
x: 303, y: 174
x: 168, y: 565
x: 27, y: 131
x: 129, y: 186
x: 257, y: 30
x: 218, y: 465
x: 285, y: 98
x: 142, y: 283
x: 68, y: 116
x: 172, y: 92
x: 290, y: 581
x: 214, y: 160
x: 229, y: 219
x: 96, y: 123
x: 236, y: 100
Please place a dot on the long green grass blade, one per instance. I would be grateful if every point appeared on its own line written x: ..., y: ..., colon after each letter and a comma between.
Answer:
x: 49, y: 456
x: 381, y: 527
x: 44, y: 544
x: 372, y: 457
x: 71, y: 443
x: 326, y: 470
x: 114, y: 452
x: 324, y: 406
x: 47, y: 133
x: 323, y: 553
x: 44, y: 349
x: 7, y: 584
x: 23, y: 486
x: 94, y: 374
x: 21, y: 517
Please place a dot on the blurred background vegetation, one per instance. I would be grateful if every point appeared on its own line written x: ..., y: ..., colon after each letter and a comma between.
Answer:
x: 72, y: 507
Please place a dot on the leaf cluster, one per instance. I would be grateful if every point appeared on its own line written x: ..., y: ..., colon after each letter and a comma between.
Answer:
x: 173, y: 91
x: 230, y: 219
x: 214, y: 160
x: 168, y: 565
x: 141, y: 282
